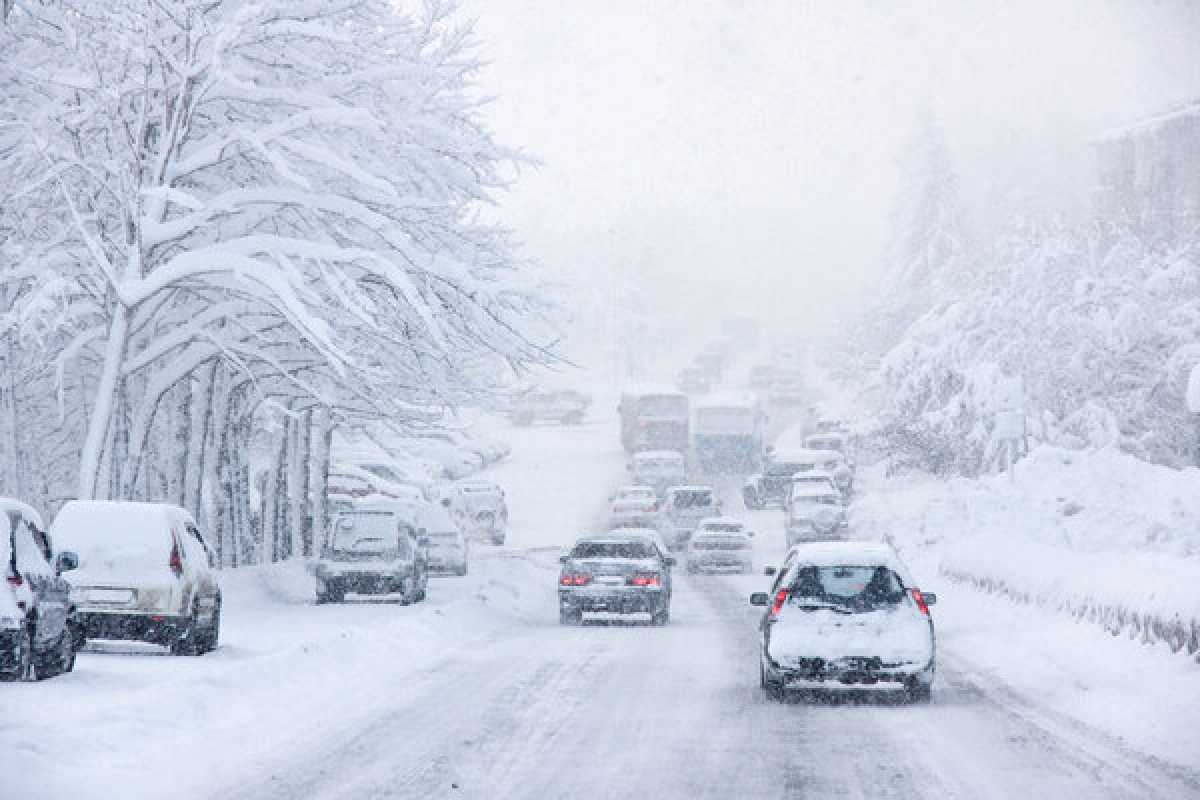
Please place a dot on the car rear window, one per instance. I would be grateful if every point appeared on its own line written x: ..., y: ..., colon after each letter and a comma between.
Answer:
x: 699, y: 498
x: 366, y: 532
x: 854, y: 588
x: 634, y: 550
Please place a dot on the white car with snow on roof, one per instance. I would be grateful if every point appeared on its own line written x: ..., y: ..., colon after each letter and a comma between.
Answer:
x: 145, y: 573
x: 658, y: 469
x: 846, y: 615
x: 682, y: 509
x: 373, y: 548
x: 481, y: 510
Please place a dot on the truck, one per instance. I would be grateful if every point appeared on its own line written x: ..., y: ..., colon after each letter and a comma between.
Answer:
x: 727, y: 434
x: 654, y: 419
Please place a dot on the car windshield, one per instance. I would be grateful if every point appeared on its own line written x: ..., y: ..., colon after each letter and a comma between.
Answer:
x: 664, y: 405
x: 856, y: 588
x: 623, y: 550
x: 367, y: 533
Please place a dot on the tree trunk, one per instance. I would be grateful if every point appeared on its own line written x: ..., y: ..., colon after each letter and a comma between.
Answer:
x: 202, y: 416
x: 101, y: 413
x: 179, y: 442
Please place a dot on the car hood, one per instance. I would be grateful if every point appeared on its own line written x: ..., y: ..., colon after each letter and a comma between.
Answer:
x: 900, y: 635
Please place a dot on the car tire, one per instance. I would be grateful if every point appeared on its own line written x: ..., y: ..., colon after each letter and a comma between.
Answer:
x: 60, y: 659
x: 570, y: 616
x: 212, y: 636
x: 26, y: 668
x: 661, y: 617
x: 772, y: 689
x: 919, y: 693
x: 188, y: 644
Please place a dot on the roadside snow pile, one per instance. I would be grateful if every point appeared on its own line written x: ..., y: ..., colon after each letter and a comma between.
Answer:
x: 1099, y: 535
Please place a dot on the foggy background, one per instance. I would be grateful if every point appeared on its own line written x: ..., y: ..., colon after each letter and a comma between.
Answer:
x: 701, y: 157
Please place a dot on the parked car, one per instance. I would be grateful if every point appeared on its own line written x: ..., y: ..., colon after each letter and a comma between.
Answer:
x: 38, y: 625
x: 564, y: 407
x: 682, y: 509
x: 448, y: 549
x: 720, y: 543
x: 615, y: 573
x: 658, y: 469
x: 846, y: 615
x: 480, y: 509
x: 373, y: 548
x: 815, y: 513
x: 145, y: 574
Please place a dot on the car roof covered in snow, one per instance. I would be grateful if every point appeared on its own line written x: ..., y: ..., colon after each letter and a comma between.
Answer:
x: 651, y: 455
x: 410, y: 510
x: 804, y: 455
x: 848, y: 554
x: 727, y: 400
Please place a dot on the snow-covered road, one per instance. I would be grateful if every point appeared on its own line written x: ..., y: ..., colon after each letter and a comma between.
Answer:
x: 479, y: 693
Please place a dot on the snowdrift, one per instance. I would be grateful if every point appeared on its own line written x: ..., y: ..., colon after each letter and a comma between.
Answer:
x: 1098, y: 535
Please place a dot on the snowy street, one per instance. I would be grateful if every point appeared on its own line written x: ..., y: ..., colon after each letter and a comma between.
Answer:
x: 481, y: 693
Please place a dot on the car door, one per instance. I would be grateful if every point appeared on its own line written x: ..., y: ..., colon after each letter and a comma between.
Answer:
x: 51, y: 592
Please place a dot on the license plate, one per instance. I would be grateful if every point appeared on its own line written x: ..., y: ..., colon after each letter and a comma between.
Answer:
x: 110, y: 596
x: 611, y: 580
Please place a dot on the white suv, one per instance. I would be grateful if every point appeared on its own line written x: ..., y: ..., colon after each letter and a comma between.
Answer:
x: 145, y: 573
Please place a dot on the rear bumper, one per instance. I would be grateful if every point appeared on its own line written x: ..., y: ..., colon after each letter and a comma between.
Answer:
x: 141, y: 627
x: 613, y: 601
x: 365, y: 582
x: 719, y: 563
x: 848, y: 673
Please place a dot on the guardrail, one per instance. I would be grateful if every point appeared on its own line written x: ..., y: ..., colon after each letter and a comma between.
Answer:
x: 1181, y: 635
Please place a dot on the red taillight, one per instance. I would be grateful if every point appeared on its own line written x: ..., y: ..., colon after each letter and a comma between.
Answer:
x: 575, y: 579
x: 14, y: 580
x: 650, y: 579
x: 175, y: 562
x: 920, y: 601
x: 780, y: 599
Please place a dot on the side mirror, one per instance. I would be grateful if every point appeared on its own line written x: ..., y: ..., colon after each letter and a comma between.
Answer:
x: 929, y: 597
x: 758, y: 599
x: 563, y: 559
x: 66, y: 561
x: 669, y: 561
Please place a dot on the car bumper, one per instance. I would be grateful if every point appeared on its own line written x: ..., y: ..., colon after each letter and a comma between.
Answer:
x: 725, y: 563
x: 849, y: 673
x: 132, y: 626
x: 365, y: 582
x: 612, y: 601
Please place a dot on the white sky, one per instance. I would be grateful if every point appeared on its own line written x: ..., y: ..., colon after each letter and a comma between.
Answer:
x: 742, y: 151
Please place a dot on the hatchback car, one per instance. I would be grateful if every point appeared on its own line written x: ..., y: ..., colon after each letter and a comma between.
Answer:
x: 373, y: 549
x: 616, y: 574
x: 846, y: 615
x: 720, y: 543
x: 145, y: 573
x: 38, y: 626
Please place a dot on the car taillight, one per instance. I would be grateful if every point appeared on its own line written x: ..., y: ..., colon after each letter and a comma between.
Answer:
x: 648, y: 579
x: 780, y: 599
x: 920, y: 601
x: 575, y: 579
x: 175, y: 562
x: 14, y: 580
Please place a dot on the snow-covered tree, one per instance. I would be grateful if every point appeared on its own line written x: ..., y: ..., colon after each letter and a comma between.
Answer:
x: 215, y: 208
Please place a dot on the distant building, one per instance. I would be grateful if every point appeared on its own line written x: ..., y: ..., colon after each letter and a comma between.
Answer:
x: 1149, y: 173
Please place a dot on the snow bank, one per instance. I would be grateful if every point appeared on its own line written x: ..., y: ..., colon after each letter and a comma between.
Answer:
x: 1099, y: 535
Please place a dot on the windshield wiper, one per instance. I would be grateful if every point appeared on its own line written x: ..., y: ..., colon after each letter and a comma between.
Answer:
x: 814, y: 605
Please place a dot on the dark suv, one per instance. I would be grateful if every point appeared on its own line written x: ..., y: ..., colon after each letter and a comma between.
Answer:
x: 38, y: 629
x: 616, y: 574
